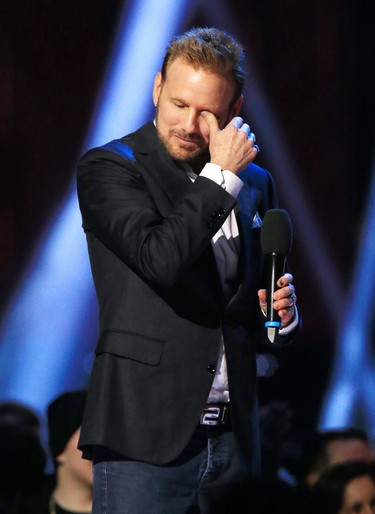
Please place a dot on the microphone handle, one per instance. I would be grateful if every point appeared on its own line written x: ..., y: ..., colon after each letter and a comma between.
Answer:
x: 275, y: 268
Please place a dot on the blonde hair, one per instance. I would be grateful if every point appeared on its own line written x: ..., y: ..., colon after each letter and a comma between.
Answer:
x: 209, y: 48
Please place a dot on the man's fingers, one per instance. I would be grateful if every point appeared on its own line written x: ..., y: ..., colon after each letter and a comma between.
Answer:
x: 246, y: 128
x: 286, y: 279
x: 210, y: 120
x: 237, y: 121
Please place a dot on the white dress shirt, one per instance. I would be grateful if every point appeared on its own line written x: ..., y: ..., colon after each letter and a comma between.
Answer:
x: 226, y: 247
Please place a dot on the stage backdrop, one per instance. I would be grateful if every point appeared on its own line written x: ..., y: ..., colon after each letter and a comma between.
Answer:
x: 309, y: 99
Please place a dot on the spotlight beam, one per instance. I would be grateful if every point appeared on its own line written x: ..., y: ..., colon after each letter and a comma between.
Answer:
x: 352, y: 388
x: 44, y: 332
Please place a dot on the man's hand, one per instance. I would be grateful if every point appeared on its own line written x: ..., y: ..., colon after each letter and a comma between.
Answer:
x: 232, y: 148
x: 285, y: 299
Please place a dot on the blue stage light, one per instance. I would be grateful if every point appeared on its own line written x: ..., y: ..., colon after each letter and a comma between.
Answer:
x: 350, y: 397
x: 49, y: 329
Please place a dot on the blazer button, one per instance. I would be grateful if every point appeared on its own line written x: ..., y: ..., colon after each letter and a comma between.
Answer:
x: 211, y: 368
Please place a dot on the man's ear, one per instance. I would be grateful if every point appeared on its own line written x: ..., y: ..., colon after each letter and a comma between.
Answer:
x: 157, y: 88
x: 236, y: 107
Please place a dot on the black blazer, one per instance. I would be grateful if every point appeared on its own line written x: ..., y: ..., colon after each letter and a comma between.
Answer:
x: 162, y: 310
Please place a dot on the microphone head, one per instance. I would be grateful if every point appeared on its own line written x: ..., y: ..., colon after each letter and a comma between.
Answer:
x: 276, y: 232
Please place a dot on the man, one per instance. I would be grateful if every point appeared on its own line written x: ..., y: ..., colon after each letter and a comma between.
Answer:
x: 172, y: 215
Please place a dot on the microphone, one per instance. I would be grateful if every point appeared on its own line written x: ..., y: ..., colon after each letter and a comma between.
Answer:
x: 276, y: 240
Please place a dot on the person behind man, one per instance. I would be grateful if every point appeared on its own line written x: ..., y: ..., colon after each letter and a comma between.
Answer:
x: 325, y: 448
x: 70, y: 488
x: 345, y: 488
x: 172, y: 216
x: 22, y: 457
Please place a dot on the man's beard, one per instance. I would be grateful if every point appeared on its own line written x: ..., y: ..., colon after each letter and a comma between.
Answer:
x: 176, y: 151
x: 196, y: 157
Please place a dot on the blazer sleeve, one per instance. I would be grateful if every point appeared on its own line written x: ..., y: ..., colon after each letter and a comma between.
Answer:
x: 118, y: 207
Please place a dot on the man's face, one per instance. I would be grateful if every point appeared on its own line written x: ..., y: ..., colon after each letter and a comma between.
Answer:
x: 347, y: 450
x: 343, y: 450
x: 180, y: 99
x: 74, y: 465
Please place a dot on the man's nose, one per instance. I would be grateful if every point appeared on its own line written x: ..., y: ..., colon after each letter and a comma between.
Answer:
x: 190, y: 122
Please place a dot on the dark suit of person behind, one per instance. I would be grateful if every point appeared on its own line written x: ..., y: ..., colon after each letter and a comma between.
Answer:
x: 162, y: 308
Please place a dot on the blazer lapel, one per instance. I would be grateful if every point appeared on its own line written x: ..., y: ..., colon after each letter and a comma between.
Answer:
x: 248, y: 200
x: 249, y: 261
x: 163, y: 172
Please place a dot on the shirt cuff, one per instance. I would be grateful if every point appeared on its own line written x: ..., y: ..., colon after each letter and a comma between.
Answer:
x: 224, y: 178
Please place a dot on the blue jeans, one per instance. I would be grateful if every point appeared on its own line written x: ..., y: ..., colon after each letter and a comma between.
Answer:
x: 191, y: 484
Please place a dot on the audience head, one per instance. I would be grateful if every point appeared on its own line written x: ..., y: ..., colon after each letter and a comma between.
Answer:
x: 327, y: 448
x: 64, y: 419
x: 21, y: 452
x: 65, y: 415
x: 346, y: 488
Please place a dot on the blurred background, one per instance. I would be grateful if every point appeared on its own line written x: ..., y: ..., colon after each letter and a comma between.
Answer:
x: 77, y: 73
